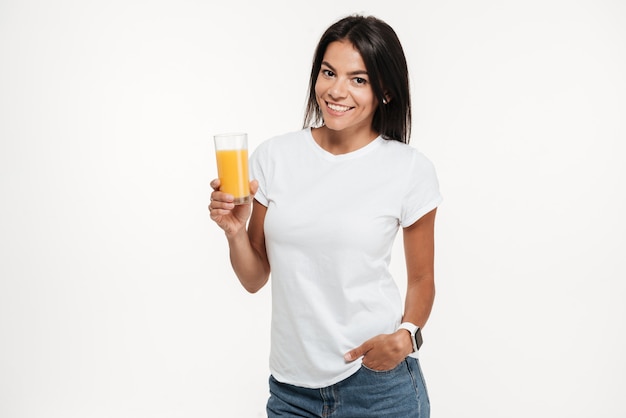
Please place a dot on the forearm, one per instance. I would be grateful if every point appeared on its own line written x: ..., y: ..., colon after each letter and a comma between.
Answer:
x: 419, y: 247
x: 249, y: 264
x: 420, y: 296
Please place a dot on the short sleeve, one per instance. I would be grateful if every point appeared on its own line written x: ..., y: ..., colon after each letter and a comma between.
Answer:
x: 422, y: 191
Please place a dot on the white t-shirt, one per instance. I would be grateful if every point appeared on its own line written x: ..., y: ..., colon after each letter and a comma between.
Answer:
x: 330, y: 224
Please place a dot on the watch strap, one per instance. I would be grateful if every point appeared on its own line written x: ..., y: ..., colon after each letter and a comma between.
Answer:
x: 414, y: 330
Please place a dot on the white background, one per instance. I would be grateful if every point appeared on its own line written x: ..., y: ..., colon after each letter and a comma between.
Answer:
x: 116, y: 294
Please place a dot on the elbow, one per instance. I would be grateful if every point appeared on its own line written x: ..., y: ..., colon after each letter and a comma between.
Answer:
x: 255, y: 286
x: 252, y: 290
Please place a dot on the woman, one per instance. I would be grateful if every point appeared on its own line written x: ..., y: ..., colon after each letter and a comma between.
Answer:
x: 329, y: 200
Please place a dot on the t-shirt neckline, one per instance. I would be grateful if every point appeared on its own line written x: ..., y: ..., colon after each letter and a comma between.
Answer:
x: 341, y: 157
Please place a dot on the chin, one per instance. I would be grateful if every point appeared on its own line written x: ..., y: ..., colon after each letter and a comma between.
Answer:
x: 333, y: 126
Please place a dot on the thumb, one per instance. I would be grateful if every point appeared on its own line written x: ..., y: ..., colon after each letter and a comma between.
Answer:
x: 356, y: 353
x: 254, y: 187
x: 215, y: 184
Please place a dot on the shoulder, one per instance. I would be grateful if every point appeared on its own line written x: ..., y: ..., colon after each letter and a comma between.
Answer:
x: 283, y: 141
x: 406, y: 155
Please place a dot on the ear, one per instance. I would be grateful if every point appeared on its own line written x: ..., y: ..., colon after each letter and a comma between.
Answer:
x: 386, y: 98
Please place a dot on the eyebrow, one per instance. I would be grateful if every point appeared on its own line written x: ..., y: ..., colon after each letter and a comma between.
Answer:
x: 357, y: 72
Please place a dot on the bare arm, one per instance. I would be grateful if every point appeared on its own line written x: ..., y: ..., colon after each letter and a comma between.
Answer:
x: 247, y: 246
x: 419, y: 249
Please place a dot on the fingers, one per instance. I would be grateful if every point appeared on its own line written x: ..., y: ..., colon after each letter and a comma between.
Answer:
x: 219, y: 200
x: 357, y: 352
x: 254, y: 185
x: 217, y: 196
x: 382, y: 352
x: 221, y: 203
x: 218, y: 208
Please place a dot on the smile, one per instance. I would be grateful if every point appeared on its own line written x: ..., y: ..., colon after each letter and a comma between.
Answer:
x: 338, y: 108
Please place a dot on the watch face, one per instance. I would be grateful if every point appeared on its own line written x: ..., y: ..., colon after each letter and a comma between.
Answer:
x: 418, y: 338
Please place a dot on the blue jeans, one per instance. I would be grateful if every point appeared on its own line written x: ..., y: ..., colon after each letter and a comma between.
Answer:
x: 397, y: 393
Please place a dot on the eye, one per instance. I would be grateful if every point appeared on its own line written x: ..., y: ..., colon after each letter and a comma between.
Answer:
x: 328, y: 73
x: 360, y: 81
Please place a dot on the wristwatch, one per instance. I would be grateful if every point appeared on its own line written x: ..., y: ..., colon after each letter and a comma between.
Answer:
x: 416, y: 334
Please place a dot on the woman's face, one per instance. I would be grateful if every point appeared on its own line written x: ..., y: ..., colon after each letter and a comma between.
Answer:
x: 343, y: 89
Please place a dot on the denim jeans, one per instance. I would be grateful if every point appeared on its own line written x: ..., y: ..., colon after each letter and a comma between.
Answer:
x: 396, y: 393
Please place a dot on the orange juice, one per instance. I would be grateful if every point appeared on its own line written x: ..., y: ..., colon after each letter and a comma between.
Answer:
x: 232, y: 169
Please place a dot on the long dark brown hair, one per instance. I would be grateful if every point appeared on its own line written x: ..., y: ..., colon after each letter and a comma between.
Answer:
x: 386, y: 66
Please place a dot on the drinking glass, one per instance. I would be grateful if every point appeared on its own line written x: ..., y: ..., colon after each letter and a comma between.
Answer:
x: 231, y: 151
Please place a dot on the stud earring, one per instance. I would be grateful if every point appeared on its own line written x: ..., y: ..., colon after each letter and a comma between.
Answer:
x: 385, y: 101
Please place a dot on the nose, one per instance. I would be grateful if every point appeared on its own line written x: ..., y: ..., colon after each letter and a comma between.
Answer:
x: 337, y: 90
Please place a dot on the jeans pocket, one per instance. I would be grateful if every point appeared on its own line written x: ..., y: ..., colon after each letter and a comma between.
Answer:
x: 382, y: 372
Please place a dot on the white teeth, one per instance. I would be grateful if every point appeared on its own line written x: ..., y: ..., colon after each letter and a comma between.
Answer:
x: 338, y: 108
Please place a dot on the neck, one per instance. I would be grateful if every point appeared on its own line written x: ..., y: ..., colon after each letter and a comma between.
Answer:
x: 342, y: 142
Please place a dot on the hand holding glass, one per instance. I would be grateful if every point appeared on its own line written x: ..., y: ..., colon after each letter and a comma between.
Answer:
x: 231, y: 151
